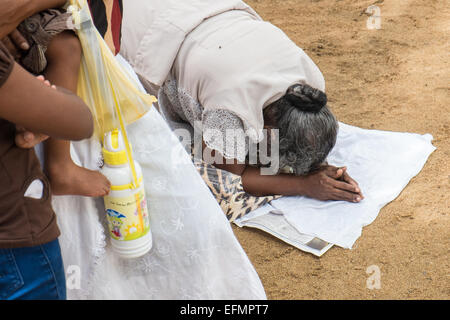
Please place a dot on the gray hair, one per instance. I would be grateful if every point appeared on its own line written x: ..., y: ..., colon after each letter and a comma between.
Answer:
x: 307, y: 128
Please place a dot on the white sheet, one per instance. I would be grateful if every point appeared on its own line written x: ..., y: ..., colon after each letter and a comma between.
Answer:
x: 382, y: 162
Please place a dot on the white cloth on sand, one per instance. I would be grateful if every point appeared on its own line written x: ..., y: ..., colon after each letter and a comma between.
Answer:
x: 195, y: 254
x: 382, y: 162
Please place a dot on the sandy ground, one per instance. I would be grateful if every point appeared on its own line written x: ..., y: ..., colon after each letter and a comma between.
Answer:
x: 395, y: 78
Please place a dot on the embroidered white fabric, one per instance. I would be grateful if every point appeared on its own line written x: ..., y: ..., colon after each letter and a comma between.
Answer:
x: 195, y: 254
x: 222, y: 130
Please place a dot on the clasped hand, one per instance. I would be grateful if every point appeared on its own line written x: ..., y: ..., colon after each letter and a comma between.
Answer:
x: 332, y: 183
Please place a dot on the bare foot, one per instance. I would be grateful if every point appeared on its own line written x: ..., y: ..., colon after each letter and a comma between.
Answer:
x: 70, y: 179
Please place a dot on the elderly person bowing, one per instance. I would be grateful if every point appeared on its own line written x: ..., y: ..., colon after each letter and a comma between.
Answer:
x: 218, y: 67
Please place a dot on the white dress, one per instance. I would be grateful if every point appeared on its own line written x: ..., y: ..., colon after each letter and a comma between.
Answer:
x: 195, y: 254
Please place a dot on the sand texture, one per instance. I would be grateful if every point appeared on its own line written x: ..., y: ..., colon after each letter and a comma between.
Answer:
x: 395, y: 78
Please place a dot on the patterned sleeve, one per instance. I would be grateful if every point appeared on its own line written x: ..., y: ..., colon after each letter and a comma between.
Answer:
x: 225, y: 132
x: 6, y: 64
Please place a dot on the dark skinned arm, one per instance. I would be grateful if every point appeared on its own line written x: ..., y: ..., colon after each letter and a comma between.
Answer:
x: 28, y: 102
x: 327, y: 183
x: 13, y: 12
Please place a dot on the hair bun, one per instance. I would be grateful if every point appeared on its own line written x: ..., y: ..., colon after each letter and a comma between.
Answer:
x: 306, y: 98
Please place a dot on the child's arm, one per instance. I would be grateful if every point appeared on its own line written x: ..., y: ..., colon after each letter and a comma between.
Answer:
x: 26, y: 101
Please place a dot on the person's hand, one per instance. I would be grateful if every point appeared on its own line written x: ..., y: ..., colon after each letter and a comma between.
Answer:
x: 10, y: 16
x: 26, y: 139
x: 13, y: 12
x: 346, y: 177
x: 46, y: 82
x: 16, y: 43
x: 332, y: 183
